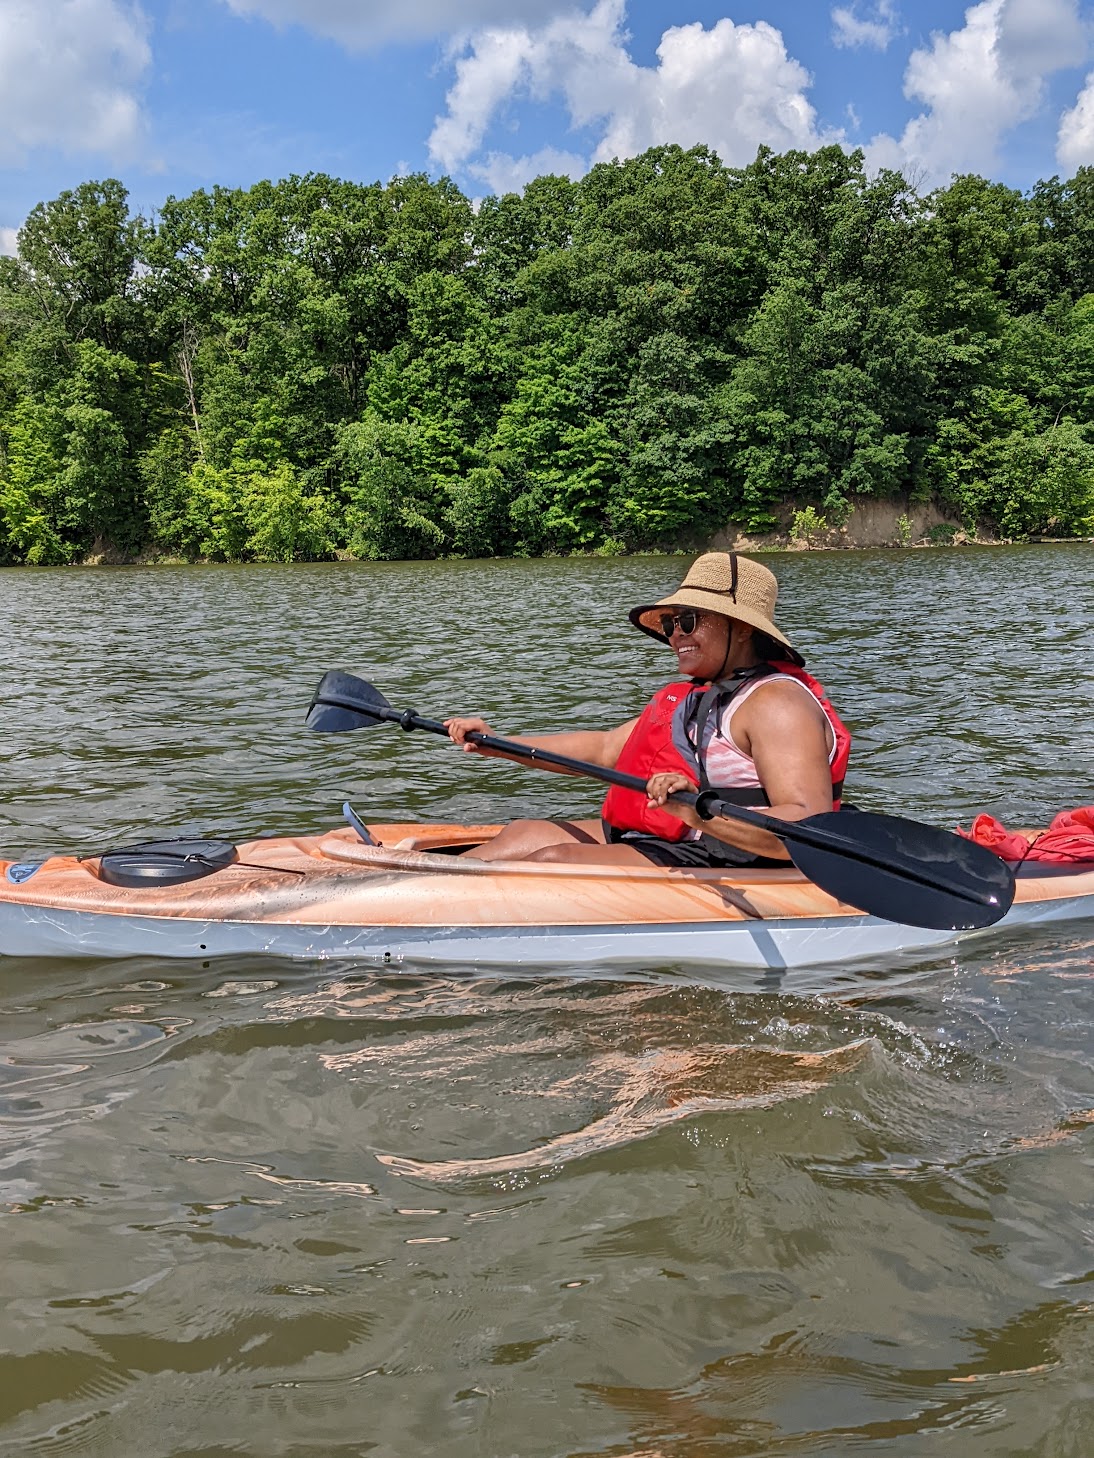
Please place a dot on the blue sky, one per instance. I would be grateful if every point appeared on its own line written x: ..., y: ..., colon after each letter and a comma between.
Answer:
x: 172, y: 95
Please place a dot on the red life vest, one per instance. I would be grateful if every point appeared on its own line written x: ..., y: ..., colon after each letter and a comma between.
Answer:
x: 660, y: 743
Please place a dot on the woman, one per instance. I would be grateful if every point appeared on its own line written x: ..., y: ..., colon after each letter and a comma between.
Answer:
x: 747, y: 721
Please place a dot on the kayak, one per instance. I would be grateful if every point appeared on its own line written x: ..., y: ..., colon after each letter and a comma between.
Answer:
x: 410, y: 898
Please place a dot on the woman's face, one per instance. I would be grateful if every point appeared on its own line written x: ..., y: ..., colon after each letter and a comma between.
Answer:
x: 703, y: 650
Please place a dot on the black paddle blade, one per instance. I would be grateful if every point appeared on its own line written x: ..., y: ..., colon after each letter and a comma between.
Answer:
x: 929, y: 878
x: 352, y: 697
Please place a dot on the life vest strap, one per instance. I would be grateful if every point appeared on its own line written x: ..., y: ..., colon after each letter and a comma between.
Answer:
x: 720, y: 698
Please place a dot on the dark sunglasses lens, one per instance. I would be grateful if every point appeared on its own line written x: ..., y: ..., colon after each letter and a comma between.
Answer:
x: 686, y: 622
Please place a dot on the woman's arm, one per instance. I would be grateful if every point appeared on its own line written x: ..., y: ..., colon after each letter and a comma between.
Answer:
x: 599, y: 747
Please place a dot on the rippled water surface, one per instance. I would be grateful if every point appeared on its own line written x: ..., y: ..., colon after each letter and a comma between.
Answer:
x: 275, y: 1209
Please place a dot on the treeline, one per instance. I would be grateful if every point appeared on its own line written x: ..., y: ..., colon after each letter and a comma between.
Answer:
x: 629, y: 361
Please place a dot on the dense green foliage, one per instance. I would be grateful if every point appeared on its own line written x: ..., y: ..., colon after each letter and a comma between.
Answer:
x: 633, y: 360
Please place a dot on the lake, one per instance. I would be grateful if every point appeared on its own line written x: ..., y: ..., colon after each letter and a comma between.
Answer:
x: 265, y: 1208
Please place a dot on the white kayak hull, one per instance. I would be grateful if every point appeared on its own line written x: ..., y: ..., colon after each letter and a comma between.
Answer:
x: 327, y: 897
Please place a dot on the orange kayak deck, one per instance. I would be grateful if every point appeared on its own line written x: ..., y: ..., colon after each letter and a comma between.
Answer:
x: 330, y: 894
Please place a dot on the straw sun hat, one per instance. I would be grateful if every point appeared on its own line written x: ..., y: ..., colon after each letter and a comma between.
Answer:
x: 722, y: 582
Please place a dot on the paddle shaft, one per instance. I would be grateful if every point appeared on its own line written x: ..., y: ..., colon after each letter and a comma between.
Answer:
x: 793, y: 831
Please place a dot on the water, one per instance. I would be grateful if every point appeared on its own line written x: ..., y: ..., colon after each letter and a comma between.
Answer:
x: 254, y: 1208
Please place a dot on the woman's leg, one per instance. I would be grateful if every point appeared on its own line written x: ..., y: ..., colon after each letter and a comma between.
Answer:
x: 521, y: 839
x: 557, y: 842
x: 571, y: 854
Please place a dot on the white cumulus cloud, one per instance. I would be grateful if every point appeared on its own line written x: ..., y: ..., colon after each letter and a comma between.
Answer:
x: 1037, y: 37
x: 1075, y: 138
x: 9, y: 242
x: 361, y: 24
x: 504, y: 173
x: 732, y: 86
x: 70, y: 72
x: 877, y: 28
x: 980, y: 82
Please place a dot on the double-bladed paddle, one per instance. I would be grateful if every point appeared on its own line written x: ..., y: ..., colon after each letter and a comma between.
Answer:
x: 888, y: 866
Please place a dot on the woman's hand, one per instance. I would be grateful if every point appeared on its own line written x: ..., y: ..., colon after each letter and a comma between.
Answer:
x: 459, y: 729
x: 661, y: 786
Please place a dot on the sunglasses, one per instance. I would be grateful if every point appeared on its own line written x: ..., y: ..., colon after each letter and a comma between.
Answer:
x: 687, y: 622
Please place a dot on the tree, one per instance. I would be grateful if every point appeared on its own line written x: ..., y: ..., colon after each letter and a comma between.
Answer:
x: 79, y: 257
x: 637, y: 358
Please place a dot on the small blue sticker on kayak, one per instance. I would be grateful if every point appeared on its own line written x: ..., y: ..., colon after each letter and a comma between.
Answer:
x: 22, y: 871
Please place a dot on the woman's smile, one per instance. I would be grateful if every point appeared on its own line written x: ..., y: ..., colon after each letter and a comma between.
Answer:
x: 702, y: 652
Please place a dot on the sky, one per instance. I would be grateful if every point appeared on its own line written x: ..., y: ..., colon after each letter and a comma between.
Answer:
x: 173, y: 95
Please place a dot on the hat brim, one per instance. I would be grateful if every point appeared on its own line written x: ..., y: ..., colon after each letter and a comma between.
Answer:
x: 646, y: 618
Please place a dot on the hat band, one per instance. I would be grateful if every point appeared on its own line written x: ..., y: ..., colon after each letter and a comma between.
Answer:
x: 730, y: 591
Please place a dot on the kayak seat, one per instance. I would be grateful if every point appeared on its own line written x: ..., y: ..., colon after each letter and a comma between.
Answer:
x: 430, y: 843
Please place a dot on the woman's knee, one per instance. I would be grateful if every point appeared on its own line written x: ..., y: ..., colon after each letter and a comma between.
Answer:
x: 560, y: 850
x: 523, y: 840
x: 519, y: 839
x: 527, y: 832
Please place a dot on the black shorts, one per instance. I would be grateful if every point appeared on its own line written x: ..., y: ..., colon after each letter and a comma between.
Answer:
x: 700, y: 855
